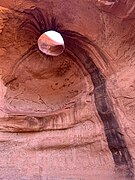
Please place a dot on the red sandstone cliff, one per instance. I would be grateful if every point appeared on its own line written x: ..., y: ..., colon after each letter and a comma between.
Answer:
x: 50, y: 126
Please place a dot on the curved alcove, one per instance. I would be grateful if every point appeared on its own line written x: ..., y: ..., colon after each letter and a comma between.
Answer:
x: 45, y: 86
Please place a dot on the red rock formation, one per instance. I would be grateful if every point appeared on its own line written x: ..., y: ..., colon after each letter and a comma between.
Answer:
x: 52, y: 126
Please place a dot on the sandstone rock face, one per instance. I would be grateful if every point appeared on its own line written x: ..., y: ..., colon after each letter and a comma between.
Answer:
x: 65, y: 119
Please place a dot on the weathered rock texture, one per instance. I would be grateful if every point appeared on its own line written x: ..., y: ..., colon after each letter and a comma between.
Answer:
x: 60, y: 120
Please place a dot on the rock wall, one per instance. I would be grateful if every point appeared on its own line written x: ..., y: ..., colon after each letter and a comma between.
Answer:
x: 52, y: 125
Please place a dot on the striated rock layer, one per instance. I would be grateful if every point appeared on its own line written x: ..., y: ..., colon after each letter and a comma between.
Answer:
x: 68, y: 118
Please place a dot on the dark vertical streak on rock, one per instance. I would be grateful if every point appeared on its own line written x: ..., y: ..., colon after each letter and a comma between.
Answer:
x: 115, y: 138
x: 116, y: 142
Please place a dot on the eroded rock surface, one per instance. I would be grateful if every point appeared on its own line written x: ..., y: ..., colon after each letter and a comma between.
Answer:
x: 52, y: 124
